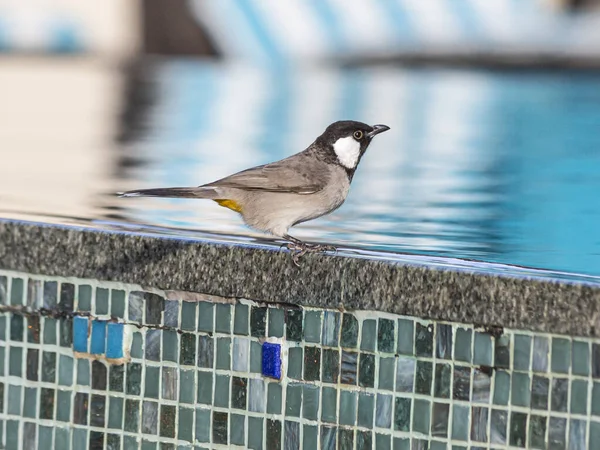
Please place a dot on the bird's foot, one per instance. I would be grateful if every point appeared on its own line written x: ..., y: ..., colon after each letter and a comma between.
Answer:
x: 299, y: 249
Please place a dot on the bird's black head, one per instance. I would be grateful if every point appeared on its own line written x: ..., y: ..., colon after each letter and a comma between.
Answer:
x: 346, y: 141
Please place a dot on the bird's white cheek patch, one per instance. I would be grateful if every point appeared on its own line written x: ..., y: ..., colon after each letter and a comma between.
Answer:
x: 347, y: 150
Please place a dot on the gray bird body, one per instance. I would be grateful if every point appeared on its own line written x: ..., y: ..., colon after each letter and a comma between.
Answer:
x: 276, y: 196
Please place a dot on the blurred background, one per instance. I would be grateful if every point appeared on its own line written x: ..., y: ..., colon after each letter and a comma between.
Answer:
x: 494, y: 109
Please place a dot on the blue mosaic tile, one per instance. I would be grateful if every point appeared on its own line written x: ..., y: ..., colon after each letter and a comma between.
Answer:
x: 80, y: 334
x: 271, y: 360
x: 98, y: 337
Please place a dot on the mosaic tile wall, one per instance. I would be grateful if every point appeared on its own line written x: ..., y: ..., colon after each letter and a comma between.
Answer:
x: 211, y: 374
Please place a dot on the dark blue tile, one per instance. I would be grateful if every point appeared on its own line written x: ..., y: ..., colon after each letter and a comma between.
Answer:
x: 271, y: 360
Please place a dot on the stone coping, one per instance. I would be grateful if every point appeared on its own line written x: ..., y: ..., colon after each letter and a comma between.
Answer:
x: 266, y: 274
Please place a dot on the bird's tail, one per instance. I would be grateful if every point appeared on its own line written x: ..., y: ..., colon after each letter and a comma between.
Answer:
x: 174, y: 192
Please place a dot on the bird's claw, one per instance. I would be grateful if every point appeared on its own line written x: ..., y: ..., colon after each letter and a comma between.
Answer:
x: 299, y: 249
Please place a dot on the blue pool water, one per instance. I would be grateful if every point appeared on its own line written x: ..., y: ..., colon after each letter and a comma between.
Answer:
x: 494, y: 167
x: 497, y: 167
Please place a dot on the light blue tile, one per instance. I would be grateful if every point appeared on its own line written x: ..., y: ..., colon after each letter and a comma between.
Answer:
x: 98, y: 337
x: 257, y: 397
x: 383, y: 413
x: 80, y: 334
x: 241, y: 354
x: 114, y: 341
x: 331, y: 328
x: 540, y: 351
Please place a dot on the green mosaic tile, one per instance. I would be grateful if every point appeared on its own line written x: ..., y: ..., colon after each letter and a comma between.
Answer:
x: 596, y: 360
x: 293, y: 402
x: 461, y: 386
x: 331, y: 329
x: 136, y: 346
x: 368, y: 338
x: 366, y: 370
x: 502, y: 352
x: 66, y: 332
x: 521, y: 391
x: 115, y: 413
x: 579, y: 396
x: 258, y: 322
x: 364, y: 439
x: 238, y: 429
x: 383, y: 410
x: 560, y: 391
x: 402, y: 414
x: 537, y: 432
x: 239, y: 392
x: 205, y: 387
x: 186, y: 386
x: 310, y: 402
x: 295, y: 359
x: 63, y: 406
x: 460, y: 422
x: 150, y: 417
x: 276, y: 322
x: 83, y: 372
x: 440, y: 419
x: 203, y: 425
x: 221, y: 394
x: 405, y: 374
x: 577, y: 430
x: 255, y: 433
x: 84, y: 297
x: 17, y: 325
x: 518, y: 429
x: 167, y: 421
x: 3, y: 290
x: 328, y: 438
x: 539, y: 392
x: 443, y: 380
x: 49, y: 333
x: 223, y: 353
x: 14, y: 400
x: 101, y: 301
x: 481, y: 386
x: 189, y: 315
x: 498, y: 422
x: 312, y: 363
x: 349, y: 337
x: 331, y: 365
x: 33, y: 330
x: 293, y: 323
x: 539, y: 358
x: 12, y: 434
x: 274, y: 396
x: 366, y: 407
x: 152, y: 347
x: 65, y: 370
x: 79, y: 438
x: 116, y: 378
x: 580, y: 358
x: 3, y: 328
x: 117, y: 303
x: 594, y: 432
x: 421, y: 416
x: 387, y: 374
x: 557, y: 433
x: 349, y: 367
x: 501, y: 387
x: 223, y: 318
x: 61, y: 438
x: 32, y: 364
x: 206, y: 351
x: 385, y: 336
x: 310, y: 437
x: 443, y: 345
x: 99, y: 375
x: 482, y: 349
x: 312, y: 326
x: 346, y: 439
x: 134, y: 379
x: 479, y: 424
x: 171, y: 314
x: 462, y: 345
x: 255, y: 357
x: 30, y: 402
x: 46, y: 410
x: 596, y: 399
x: 80, y: 408
x: 187, y: 350
x: 274, y: 434
x: 435, y: 445
x: 424, y: 340
x: 423, y: 378
x: 328, y: 404
x: 45, y: 436
x: 347, y: 407
x: 130, y: 443
x: 561, y: 355
x: 241, y: 324
x: 205, y: 316
x: 16, y: 292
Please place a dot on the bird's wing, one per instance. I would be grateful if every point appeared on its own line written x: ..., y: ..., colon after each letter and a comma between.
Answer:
x: 298, y: 174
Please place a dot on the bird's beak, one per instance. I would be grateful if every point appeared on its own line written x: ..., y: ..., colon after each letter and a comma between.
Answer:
x: 378, y: 129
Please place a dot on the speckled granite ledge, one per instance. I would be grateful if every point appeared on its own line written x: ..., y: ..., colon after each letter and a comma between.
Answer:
x: 326, y: 281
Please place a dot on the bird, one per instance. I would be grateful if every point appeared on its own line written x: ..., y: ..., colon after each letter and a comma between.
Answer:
x: 274, y: 197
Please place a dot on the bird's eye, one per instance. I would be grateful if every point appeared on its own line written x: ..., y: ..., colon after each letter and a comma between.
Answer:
x: 358, y: 135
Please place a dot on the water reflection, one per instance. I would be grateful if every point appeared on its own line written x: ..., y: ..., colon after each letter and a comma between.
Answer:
x: 498, y: 167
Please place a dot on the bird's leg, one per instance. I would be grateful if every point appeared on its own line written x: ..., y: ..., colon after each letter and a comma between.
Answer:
x: 300, y: 248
